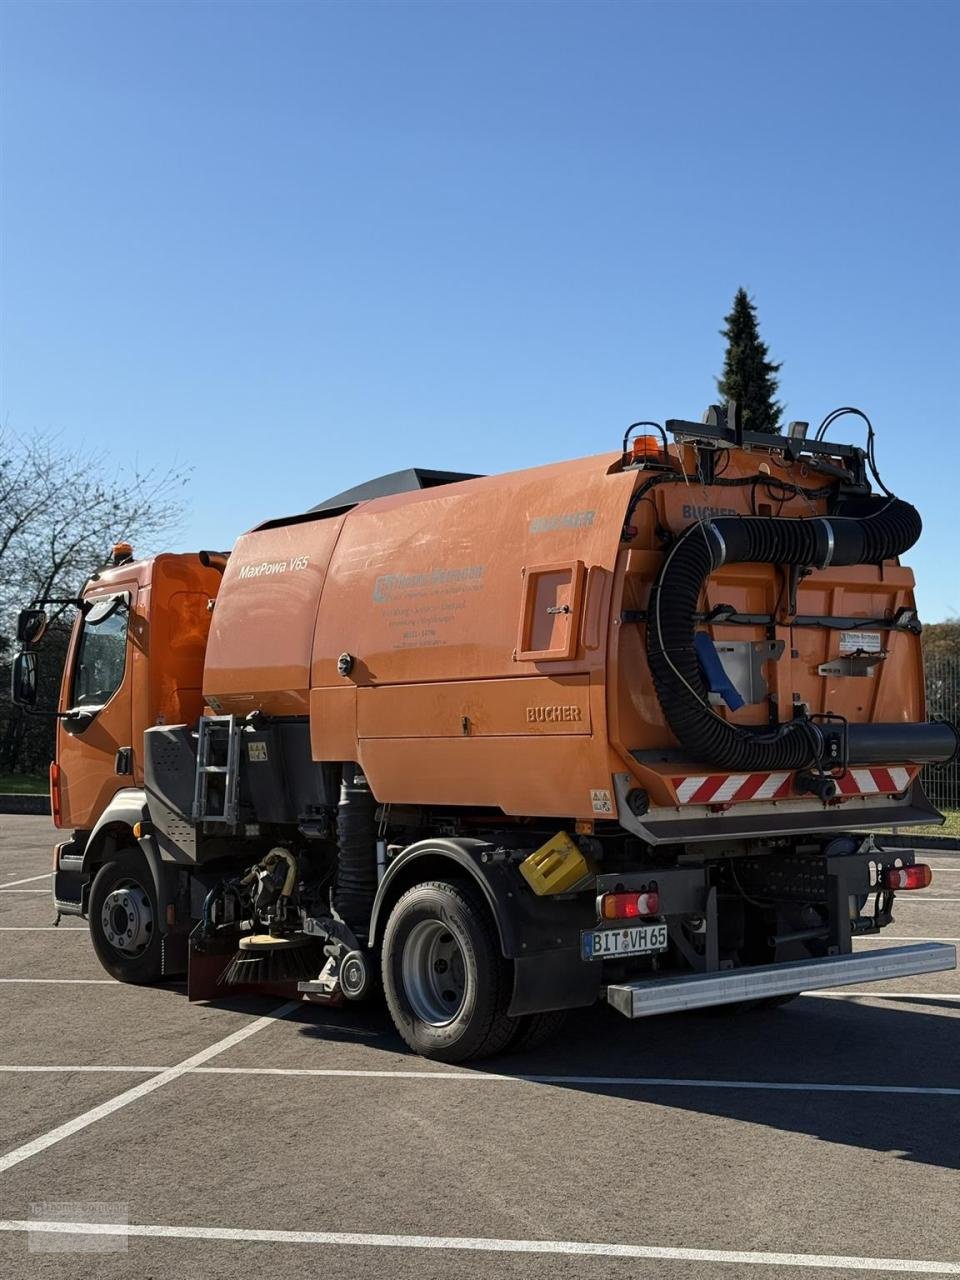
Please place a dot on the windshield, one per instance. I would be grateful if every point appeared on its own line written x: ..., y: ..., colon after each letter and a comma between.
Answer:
x: 102, y: 653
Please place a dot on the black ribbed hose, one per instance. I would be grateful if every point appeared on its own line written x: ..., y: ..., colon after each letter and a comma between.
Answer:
x: 356, y: 882
x: 862, y: 531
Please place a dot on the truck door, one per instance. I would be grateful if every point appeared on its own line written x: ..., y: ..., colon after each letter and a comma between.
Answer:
x: 94, y: 736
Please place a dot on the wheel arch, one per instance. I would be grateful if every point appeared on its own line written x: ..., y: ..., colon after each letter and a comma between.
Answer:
x: 540, y: 936
x: 438, y: 859
x: 115, y: 830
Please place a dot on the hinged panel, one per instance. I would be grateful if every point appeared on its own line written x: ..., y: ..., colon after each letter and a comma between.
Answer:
x: 550, y: 611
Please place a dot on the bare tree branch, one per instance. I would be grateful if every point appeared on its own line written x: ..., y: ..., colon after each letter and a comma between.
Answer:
x: 61, y: 510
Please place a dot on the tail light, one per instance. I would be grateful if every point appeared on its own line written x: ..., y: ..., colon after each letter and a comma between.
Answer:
x: 628, y: 906
x: 916, y: 877
x: 55, y: 793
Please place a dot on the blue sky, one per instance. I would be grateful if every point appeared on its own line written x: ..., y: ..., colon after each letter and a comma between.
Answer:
x: 299, y: 245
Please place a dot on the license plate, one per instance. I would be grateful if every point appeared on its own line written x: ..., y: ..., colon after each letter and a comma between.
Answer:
x: 641, y: 940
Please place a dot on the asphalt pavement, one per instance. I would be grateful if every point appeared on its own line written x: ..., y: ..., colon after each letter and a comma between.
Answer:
x: 145, y: 1135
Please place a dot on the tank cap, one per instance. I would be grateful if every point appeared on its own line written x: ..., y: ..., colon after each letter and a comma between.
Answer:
x: 345, y: 663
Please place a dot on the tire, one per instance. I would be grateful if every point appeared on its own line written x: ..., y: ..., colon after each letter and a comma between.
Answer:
x: 531, y: 1030
x: 123, y: 887
x: 446, y: 984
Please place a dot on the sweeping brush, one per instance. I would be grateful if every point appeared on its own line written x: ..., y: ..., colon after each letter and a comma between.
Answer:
x: 292, y: 957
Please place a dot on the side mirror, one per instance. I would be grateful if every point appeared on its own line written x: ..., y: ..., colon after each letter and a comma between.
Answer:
x: 23, y: 683
x: 31, y: 624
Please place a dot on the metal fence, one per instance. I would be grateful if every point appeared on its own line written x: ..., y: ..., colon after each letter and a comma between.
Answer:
x: 942, y: 782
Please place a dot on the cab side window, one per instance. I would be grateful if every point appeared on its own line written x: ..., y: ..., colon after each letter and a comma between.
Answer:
x: 101, y: 655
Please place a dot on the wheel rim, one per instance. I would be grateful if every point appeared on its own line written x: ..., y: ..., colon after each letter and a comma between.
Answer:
x: 434, y: 973
x: 126, y: 919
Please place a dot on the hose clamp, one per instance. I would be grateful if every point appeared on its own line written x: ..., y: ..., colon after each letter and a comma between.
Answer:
x: 831, y: 540
x: 722, y: 546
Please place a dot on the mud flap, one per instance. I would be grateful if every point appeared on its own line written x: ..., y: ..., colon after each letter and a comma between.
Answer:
x: 554, y: 980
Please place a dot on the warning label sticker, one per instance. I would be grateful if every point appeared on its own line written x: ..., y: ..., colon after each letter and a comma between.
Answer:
x: 601, y: 801
x: 862, y: 641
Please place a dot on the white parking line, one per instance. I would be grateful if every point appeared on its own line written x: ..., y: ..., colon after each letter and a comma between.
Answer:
x: 26, y: 880
x: 41, y: 928
x: 493, y: 1077
x: 892, y: 937
x: 885, y: 995
x: 480, y: 1244
x: 84, y: 982
x: 919, y: 902
x: 636, y: 1082
x: 167, y: 1076
x: 24, y: 890
x: 69, y: 1070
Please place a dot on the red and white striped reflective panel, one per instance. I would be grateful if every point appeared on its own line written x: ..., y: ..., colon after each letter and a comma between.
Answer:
x: 735, y: 788
x: 724, y: 788
x: 868, y: 782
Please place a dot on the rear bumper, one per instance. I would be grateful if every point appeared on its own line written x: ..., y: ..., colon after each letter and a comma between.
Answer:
x: 648, y: 996
x: 687, y: 823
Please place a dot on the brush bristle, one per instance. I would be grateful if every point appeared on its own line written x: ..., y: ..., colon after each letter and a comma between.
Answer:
x: 293, y: 964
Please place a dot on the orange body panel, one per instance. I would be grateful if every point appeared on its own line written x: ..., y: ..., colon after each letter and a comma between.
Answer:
x: 489, y: 655
x: 481, y: 623
x: 433, y: 594
x: 162, y: 679
x: 430, y: 585
x: 261, y: 637
x: 475, y: 708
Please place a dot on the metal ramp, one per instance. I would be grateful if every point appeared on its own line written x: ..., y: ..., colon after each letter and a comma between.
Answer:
x: 218, y: 757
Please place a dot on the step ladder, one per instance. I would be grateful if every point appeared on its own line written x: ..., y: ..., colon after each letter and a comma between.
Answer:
x: 218, y: 758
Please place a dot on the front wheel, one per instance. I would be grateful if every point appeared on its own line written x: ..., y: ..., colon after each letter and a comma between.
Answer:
x: 123, y: 919
x: 445, y: 980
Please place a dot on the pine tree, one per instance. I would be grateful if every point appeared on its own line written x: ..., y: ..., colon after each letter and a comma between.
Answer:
x: 748, y: 376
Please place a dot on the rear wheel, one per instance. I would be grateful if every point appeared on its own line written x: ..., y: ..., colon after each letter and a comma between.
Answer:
x: 123, y: 919
x: 446, y: 983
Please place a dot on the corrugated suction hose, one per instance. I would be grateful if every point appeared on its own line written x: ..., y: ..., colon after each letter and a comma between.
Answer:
x: 862, y: 531
x: 356, y: 882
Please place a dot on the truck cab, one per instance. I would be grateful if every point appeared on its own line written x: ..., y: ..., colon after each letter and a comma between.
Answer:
x: 135, y: 659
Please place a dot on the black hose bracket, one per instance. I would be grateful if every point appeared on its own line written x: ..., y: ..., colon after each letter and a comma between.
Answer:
x: 834, y: 753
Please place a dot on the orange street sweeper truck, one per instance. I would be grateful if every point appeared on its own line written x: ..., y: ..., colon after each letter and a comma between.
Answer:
x: 501, y: 746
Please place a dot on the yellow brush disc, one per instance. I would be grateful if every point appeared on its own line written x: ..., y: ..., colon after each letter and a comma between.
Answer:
x: 267, y: 942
